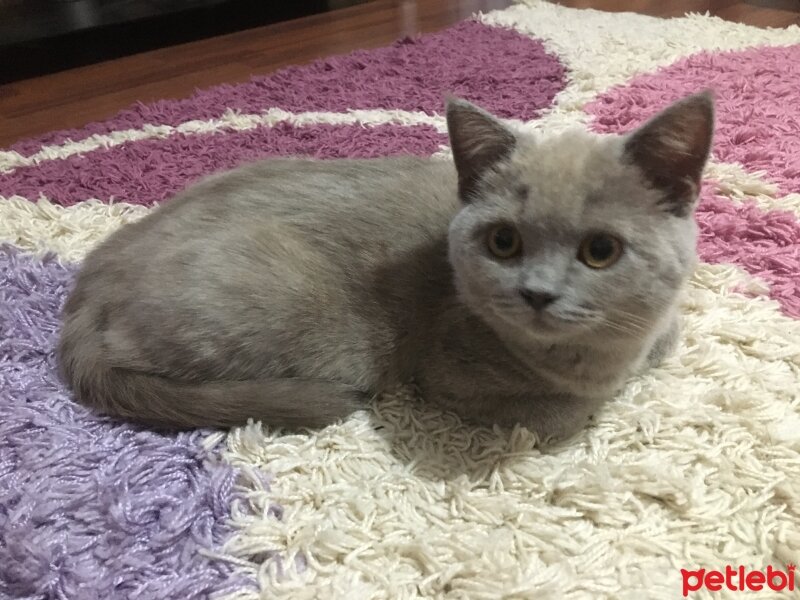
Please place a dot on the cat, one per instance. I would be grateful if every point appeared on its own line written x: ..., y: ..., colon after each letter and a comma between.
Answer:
x: 523, y: 286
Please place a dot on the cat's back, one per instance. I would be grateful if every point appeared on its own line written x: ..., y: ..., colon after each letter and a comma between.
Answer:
x: 349, y: 200
x: 387, y: 205
x: 292, y: 187
x: 344, y: 211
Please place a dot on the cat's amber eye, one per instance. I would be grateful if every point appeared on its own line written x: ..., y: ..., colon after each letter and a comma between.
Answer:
x: 600, y: 251
x: 504, y: 241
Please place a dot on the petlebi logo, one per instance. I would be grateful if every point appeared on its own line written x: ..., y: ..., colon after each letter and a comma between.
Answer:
x: 739, y: 579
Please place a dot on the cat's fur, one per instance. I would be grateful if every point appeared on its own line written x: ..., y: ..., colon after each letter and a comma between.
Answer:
x: 290, y: 290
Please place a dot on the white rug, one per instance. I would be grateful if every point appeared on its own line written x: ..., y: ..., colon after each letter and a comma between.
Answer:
x: 696, y: 465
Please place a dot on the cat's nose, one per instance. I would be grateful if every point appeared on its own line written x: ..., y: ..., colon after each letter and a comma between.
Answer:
x: 536, y: 298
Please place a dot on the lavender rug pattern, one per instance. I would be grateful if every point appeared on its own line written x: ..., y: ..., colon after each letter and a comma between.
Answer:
x: 90, y: 508
x: 406, y: 502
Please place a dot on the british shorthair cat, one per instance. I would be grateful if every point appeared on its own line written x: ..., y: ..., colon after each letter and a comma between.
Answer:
x: 525, y: 285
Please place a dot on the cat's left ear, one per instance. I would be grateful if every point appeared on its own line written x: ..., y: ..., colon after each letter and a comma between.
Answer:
x: 672, y: 148
x: 479, y: 141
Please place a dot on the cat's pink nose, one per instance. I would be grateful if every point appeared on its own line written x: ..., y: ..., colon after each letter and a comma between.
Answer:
x: 537, y: 299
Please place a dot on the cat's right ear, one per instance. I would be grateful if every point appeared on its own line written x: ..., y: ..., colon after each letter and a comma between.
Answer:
x: 672, y: 148
x: 479, y: 141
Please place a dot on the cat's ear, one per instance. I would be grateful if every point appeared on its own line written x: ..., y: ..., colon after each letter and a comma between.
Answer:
x: 671, y: 149
x: 478, y: 140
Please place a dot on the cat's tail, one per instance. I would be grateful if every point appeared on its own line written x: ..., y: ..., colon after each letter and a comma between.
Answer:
x: 164, y: 402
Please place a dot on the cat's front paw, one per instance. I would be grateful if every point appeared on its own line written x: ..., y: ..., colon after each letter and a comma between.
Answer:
x: 555, y: 419
x: 665, y: 344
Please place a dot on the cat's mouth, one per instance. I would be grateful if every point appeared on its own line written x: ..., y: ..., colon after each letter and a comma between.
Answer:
x: 549, y: 322
x: 546, y: 322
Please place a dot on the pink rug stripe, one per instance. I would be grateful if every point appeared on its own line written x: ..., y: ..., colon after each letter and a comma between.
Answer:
x: 152, y: 170
x: 765, y: 244
x: 758, y: 106
x: 500, y: 69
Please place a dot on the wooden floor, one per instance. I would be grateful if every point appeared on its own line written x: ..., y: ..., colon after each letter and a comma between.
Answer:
x: 73, y: 98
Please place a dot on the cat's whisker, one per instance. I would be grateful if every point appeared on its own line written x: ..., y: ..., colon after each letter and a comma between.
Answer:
x: 633, y: 320
x: 623, y: 328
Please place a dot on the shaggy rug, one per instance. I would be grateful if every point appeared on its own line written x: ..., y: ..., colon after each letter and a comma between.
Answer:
x: 696, y: 465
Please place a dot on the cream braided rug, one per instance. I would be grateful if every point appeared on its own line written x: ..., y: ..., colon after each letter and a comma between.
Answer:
x: 695, y: 464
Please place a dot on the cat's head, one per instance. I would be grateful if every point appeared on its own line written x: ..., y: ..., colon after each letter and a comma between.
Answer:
x: 577, y: 235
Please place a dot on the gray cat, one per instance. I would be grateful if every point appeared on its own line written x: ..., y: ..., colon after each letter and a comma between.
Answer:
x: 523, y: 286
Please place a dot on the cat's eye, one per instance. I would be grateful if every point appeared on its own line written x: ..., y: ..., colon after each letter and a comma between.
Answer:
x: 504, y: 241
x: 600, y: 251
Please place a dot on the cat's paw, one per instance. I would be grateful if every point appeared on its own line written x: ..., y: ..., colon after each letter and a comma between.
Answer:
x: 664, y: 345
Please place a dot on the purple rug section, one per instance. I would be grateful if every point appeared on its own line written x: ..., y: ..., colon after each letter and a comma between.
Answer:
x: 764, y: 243
x: 757, y: 104
x: 91, y: 509
x: 500, y: 69
x: 149, y: 171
